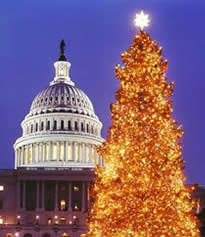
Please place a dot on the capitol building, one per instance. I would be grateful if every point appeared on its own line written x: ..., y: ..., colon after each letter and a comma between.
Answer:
x: 47, y: 194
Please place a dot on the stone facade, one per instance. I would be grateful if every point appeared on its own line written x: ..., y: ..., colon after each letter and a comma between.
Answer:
x: 41, y: 201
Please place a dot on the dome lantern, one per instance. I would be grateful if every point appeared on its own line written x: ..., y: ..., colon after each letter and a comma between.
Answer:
x: 62, y: 67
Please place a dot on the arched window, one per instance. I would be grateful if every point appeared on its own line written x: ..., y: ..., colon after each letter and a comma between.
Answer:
x: 92, y: 129
x: 31, y: 128
x: 42, y: 126
x: 69, y: 125
x: 36, y: 127
x: 76, y: 126
x: 28, y: 235
x: 88, y: 128
x: 48, y: 125
x: 82, y: 127
x: 55, y: 125
x: 62, y: 125
x: 46, y: 235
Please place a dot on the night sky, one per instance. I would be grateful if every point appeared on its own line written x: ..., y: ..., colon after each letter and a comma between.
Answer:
x: 96, y: 33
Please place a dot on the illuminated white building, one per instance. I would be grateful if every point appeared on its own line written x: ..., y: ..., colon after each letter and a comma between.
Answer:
x: 48, y: 192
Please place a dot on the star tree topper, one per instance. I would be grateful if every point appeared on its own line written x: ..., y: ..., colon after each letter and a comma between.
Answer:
x: 142, y: 20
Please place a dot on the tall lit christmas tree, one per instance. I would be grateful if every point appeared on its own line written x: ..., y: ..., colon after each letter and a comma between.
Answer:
x: 141, y: 192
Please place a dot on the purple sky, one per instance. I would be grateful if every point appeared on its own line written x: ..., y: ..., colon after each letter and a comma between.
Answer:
x: 96, y: 32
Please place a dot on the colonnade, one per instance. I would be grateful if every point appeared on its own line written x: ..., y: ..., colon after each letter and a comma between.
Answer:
x: 61, y: 151
x: 61, y: 124
x: 40, y: 196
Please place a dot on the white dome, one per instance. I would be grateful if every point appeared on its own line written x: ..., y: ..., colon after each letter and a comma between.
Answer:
x: 61, y: 128
x: 62, y: 97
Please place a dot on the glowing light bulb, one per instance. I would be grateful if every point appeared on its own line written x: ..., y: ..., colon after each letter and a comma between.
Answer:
x: 142, y: 20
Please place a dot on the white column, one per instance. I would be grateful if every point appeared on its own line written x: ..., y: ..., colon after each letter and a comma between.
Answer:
x: 73, y: 151
x: 41, y: 156
x: 90, y: 154
x: 66, y: 151
x: 33, y: 153
x: 27, y: 151
x: 16, y: 158
x: 80, y: 151
x: 83, y: 153
x: 62, y: 151
x: 44, y: 151
x: 22, y: 156
x: 50, y: 151
x: 30, y: 154
x: 58, y: 151
x: 38, y: 153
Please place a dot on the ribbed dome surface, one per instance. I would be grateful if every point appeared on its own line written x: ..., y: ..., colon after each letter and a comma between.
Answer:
x: 62, y: 97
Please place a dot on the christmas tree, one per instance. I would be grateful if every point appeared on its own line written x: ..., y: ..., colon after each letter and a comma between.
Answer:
x: 141, y: 192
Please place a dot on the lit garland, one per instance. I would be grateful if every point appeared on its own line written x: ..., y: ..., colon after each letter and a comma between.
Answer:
x: 141, y: 191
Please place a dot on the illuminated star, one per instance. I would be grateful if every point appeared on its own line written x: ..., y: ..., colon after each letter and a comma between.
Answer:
x: 142, y: 20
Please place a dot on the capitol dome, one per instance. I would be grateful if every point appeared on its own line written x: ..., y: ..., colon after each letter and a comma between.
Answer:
x: 61, y: 128
x: 64, y: 98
